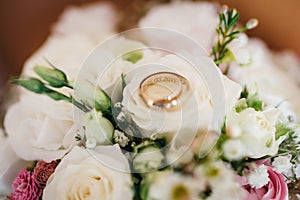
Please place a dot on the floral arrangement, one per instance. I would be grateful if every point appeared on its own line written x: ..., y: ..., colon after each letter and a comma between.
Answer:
x: 192, y: 109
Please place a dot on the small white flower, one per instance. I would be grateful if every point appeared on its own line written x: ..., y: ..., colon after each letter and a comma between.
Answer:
x: 118, y: 105
x: 221, y: 178
x: 296, y: 170
x: 121, y: 138
x: 282, y: 164
x: 174, y: 186
x: 259, y: 176
x: 233, y: 149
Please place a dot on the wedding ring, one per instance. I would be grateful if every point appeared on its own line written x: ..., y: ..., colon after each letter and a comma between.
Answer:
x: 163, y: 90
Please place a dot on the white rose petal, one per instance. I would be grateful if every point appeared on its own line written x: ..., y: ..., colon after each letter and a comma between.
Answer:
x: 91, y: 174
x: 259, y: 176
x: 39, y: 128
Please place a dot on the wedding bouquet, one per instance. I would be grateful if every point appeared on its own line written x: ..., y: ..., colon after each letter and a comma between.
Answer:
x: 185, y: 106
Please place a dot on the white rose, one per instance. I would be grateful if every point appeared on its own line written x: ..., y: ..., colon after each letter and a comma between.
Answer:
x: 39, y: 128
x: 193, y: 116
x: 196, y: 20
x: 9, y: 168
x: 98, y: 128
x: 95, y: 20
x: 77, y: 32
x: 101, y: 173
x: 285, y: 93
x: 255, y: 130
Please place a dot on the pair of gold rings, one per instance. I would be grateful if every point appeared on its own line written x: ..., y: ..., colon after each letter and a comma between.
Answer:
x: 164, y: 90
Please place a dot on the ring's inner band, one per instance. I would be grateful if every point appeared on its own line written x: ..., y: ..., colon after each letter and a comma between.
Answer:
x: 162, y: 89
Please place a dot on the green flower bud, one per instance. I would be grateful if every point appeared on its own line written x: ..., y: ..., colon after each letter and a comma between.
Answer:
x: 148, y: 159
x: 98, y: 128
x: 55, y: 77
x: 32, y: 84
x: 93, y: 96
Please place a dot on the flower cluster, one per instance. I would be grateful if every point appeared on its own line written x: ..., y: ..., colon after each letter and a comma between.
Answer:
x: 156, y: 117
x: 29, y: 183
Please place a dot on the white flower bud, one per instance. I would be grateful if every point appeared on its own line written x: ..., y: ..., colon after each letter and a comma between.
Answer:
x: 234, y: 11
x: 224, y: 9
x: 121, y: 138
x: 149, y: 159
x: 98, y: 127
x: 252, y: 23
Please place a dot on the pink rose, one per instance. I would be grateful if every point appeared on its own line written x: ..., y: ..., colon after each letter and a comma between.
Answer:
x: 42, y: 172
x: 275, y: 189
x: 24, y: 187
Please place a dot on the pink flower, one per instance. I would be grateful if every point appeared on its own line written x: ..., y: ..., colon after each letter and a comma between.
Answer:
x: 275, y: 189
x: 42, y: 172
x: 24, y: 187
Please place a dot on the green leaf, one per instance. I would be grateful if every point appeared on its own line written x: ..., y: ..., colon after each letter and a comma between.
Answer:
x: 281, y: 130
x: 233, y: 21
x: 133, y: 56
x: 55, y: 77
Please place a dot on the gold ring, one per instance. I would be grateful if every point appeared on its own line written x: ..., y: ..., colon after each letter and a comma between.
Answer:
x: 163, y: 90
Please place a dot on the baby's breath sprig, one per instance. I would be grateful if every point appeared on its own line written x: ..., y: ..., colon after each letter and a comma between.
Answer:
x: 227, y: 31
